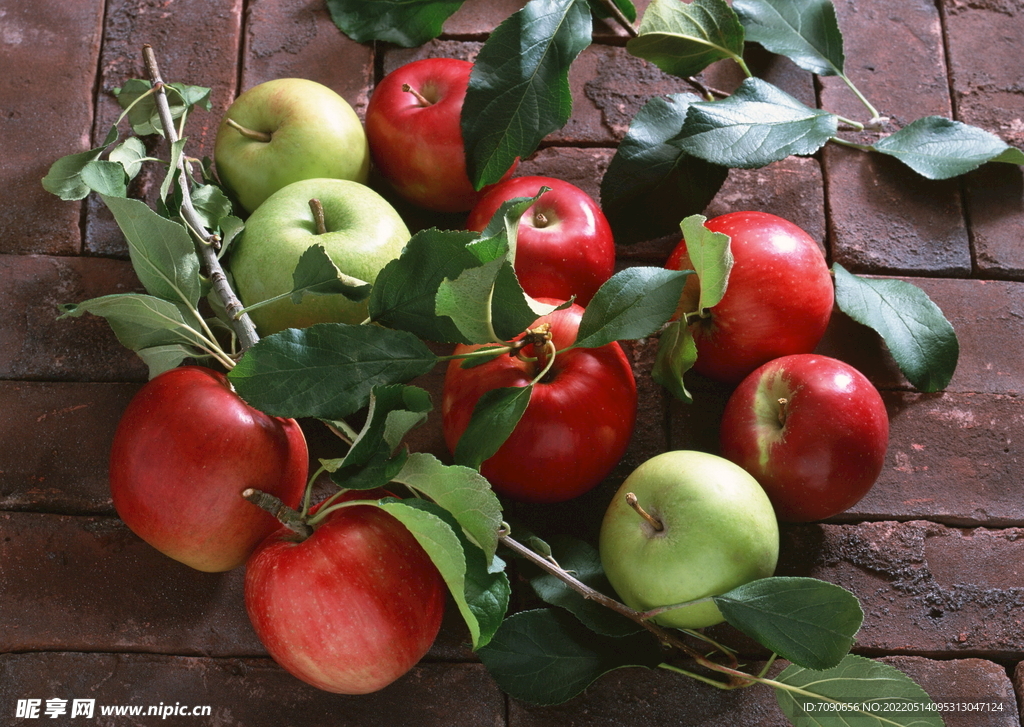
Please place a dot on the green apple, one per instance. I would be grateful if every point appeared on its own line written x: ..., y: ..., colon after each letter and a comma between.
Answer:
x: 699, y: 526
x: 284, y: 131
x: 362, y: 233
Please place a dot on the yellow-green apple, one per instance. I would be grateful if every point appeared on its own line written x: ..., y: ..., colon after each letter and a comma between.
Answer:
x: 778, y: 300
x: 686, y: 525
x: 564, y: 244
x: 362, y: 233
x: 812, y: 430
x: 185, y: 449
x: 284, y: 131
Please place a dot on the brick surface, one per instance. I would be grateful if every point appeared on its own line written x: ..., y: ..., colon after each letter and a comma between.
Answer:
x: 49, y: 56
x: 967, y: 692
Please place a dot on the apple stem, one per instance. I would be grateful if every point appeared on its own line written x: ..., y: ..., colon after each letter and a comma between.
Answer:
x: 288, y: 517
x: 783, y: 410
x: 247, y: 132
x: 423, y: 100
x: 540, y: 220
x: 654, y: 522
x: 318, y: 215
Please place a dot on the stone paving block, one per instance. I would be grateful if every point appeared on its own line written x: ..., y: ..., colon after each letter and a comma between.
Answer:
x: 926, y: 589
x: 244, y: 692
x: 35, y: 345
x: 56, y: 444
x: 885, y: 217
x: 195, y: 42
x: 288, y: 40
x: 50, y: 49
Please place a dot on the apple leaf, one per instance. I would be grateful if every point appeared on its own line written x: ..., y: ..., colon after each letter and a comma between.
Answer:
x: 467, y: 301
x: 328, y: 370
x: 856, y: 682
x: 64, y: 177
x: 478, y: 586
x: 685, y: 38
x: 494, y: 417
x: 519, y: 87
x: 919, y: 337
x: 139, y: 103
x: 129, y: 154
x: 677, y: 352
x: 316, y: 274
x: 805, y: 620
x: 711, y: 257
x: 755, y: 126
x: 165, y: 357
x: 213, y: 207
x: 632, y: 304
x: 939, y: 148
x: 161, y: 250
x: 106, y: 178
x: 584, y: 562
x: 407, y: 23
x: 462, y: 491
x: 546, y: 656
x: 805, y: 31
x: 649, y: 183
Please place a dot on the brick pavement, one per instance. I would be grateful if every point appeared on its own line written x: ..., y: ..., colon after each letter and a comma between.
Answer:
x: 933, y: 552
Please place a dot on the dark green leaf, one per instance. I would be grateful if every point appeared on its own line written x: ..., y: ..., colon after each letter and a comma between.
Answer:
x: 806, y: 31
x: 494, y: 418
x: 316, y: 274
x: 804, y: 620
x: 584, y: 563
x: 212, y: 205
x: 328, y: 370
x: 519, y: 88
x: 920, y: 339
x: 632, y: 304
x: 755, y: 126
x: 547, y: 656
x: 651, y: 184
x: 141, y: 108
x: 856, y: 682
x: 677, y: 352
x: 938, y: 148
x: 106, y: 177
x: 64, y: 178
x: 685, y: 38
x: 408, y: 23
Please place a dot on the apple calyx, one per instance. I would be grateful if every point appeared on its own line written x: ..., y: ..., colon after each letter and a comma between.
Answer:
x: 317, y: 209
x: 288, y: 517
x: 654, y: 522
x: 423, y: 100
x: 247, y: 132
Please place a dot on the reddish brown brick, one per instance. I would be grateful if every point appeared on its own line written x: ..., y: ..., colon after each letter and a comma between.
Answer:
x: 966, y: 692
x: 583, y: 167
x: 35, y: 345
x: 50, y: 50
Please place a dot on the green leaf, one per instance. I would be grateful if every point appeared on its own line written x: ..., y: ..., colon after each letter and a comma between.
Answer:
x: 105, y: 177
x: 805, y: 31
x: 64, y: 177
x: 920, y: 339
x: 711, y: 257
x: 130, y: 154
x: 479, y: 586
x: 316, y: 274
x: 677, y: 352
x: 519, y: 88
x: 600, y: 10
x: 494, y: 418
x: 584, y: 563
x: 328, y: 370
x: 685, y: 38
x: 856, y: 683
x: 938, y: 148
x: 804, y: 620
x: 164, y: 358
x: 462, y: 491
x: 141, y: 108
x: 161, y: 250
x: 632, y: 304
x: 755, y: 126
x: 408, y: 23
x: 212, y: 205
x: 467, y: 301
x: 650, y: 184
x: 547, y: 656
x: 404, y: 294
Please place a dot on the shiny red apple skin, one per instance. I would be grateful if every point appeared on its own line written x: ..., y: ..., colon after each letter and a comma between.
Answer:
x: 576, y: 428
x: 778, y: 301
x: 351, y: 608
x: 184, y: 450
x: 417, y: 145
x: 565, y: 246
x: 820, y: 452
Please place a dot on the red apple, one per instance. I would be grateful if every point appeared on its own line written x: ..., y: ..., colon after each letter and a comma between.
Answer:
x: 184, y: 450
x: 565, y: 245
x: 352, y: 607
x: 576, y: 427
x: 812, y: 430
x: 413, y: 124
x: 778, y: 301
